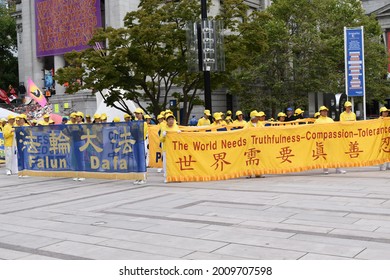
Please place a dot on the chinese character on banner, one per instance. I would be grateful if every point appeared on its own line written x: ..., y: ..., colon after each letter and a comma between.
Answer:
x: 89, y: 138
x: 353, y: 150
x: 33, y: 146
x: 286, y: 154
x: 185, y: 164
x: 251, y: 157
x: 59, y: 144
x: 125, y: 141
x: 386, y: 144
x: 220, y: 159
x: 319, y: 151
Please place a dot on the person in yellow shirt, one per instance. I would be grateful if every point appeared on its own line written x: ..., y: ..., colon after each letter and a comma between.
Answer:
x: 96, y: 118
x: 204, y: 121
x: 281, y: 117
x: 347, y: 115
x: 254, y: 122
x: 239, y: 118
x: 3, y: 122
x: 22, y: 120
x: 323, y: 118
x: 217, y: 119
x: 46, y: 120
x: 384, y: 113
x: 72, y: 118
x: 11, y: 158
x: 169, y: 128
x: 127, y: 117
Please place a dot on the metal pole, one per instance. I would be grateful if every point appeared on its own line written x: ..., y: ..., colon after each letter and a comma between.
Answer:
x: 206, y: 72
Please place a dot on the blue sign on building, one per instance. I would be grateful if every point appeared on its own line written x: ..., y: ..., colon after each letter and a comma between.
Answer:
x: 354, y: 61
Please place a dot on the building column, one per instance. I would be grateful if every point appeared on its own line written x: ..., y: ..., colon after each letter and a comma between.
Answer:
x: 59, y: 62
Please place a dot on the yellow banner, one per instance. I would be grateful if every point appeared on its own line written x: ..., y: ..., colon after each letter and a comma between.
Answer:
x: 155, y: 152
x: 204, y: 156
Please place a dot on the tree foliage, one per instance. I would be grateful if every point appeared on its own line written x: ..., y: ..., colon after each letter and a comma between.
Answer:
x: 8, y: 48
x: 306, y: 54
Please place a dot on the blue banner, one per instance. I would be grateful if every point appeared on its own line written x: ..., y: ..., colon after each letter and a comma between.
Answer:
x: 106, y: 147
x: 354, y: 62
x: 2, y: 149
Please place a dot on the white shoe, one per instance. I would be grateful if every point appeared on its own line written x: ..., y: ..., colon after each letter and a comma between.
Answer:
x: 159, y: 170
x: 141, y: 182
x: 81, y: 179
x: 165, y: 181
x: 382, y: 167
x: 9, y: 173
x: 75, y: 179
x: 340, y: 171
x: 136, y: 182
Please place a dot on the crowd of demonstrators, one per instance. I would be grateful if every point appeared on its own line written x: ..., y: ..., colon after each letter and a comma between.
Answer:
x: 34, y: 114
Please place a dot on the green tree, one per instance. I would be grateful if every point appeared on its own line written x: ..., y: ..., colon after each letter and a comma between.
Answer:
x: 8, y: 49
x: 306, y: 53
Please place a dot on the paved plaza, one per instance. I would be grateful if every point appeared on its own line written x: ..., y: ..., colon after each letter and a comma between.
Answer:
x: 305, y: 216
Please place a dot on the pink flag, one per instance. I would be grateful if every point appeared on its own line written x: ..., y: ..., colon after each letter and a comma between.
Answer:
x: 35, y: 93
x: 4, y: 96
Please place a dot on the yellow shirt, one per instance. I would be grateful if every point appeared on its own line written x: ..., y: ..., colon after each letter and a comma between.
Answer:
x: 251, y: 124
x: 174, y: 128
x: 243, y: 122
x: 344, y: 116
x: 324, y: 120
x: 202, y: 122
x: 8, y: 134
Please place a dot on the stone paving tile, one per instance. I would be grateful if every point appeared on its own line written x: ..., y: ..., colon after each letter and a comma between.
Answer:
x: 70, y: 236
x: 282, y: 226
x: 286, y: 244
x: 36, y: 257
x: 17, y: 228
x: 344, y: 240
x: 373, y: 222
x: 99, y: 252
x: 357, y: 233
x: 374, y: 254
x: 147, y: 248
x: 324, y: 218
x: 257, y: 232
x: 180, y: 231
x: 211, y: 256
x: 158, y: 239
x: 259, y: 253
x: 331, y: 224
x: 29, y: 240
x: 7, y: 254
x: 311, y: 256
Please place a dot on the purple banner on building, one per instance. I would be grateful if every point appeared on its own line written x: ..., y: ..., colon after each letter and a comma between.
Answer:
x: 65, y: 25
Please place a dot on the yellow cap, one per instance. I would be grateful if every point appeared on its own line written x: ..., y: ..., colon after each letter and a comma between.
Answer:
x: 254, y: 114
x: 261, y: 114
x: 217, y: 117
x: 80, y: 114
x: 147, y: 117
x: 103, y: 117
x: 3, y: 119
x: 34, y: 121
x: 323, y: 108
x: 316, y: 114
x: 168, y: 111
x: 46, y: 116
x: 96, y: 116
x: 383, y: 109
x: 228, y: 118
x: 116, y: 119
x: 139, y: 111
x: 169, y: 116
x: 160, y: 117
x: 23, y: 116
x: 239, y: 113
x: 87, y: 116
x: 228, y: 112
x: 207, y: 112
x: 281, y: 114
x: 299, y: 111
x: 73, y: 115
x: 126, y: 116
x: 347, y: 104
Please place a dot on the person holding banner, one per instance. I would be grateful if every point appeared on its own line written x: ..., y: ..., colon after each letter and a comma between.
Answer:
x: 170, y: 127
x: 347, y: 115
x: 239, y: 118
x: 139, y: 117
x: 254, y: 122
x: 384, y: 113
x: 11, y: 157
x: 203, y: 121
x: 323, y: 118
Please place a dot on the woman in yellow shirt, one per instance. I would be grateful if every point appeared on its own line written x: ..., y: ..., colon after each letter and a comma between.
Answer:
x: 323, y: 118
x: 170, y: 127
x: 347, y: 115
